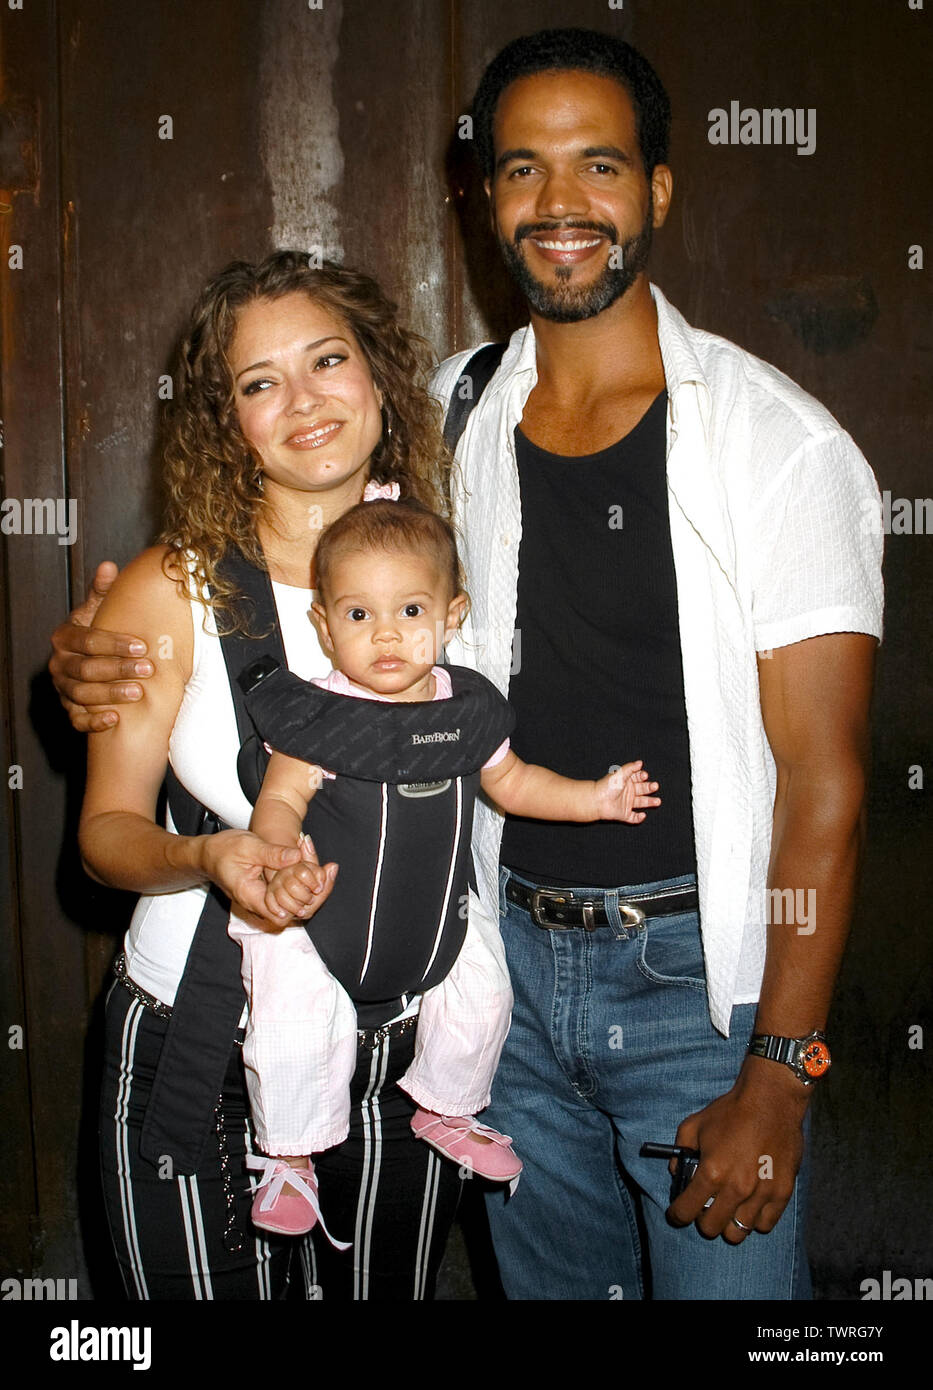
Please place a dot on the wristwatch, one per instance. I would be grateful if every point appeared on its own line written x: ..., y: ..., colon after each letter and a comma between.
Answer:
x: 808, y: 1058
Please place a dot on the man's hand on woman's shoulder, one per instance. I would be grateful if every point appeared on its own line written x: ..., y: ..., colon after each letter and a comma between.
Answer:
x: 93, y: 669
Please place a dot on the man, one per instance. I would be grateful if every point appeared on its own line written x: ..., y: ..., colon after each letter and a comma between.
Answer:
x: 646, y: 507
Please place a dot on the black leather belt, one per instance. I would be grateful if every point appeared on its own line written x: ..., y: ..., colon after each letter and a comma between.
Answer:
x: 560, y: 909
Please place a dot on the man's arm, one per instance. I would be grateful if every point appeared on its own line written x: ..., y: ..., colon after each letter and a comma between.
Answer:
x: 90, y: 667
x: 815, y: 702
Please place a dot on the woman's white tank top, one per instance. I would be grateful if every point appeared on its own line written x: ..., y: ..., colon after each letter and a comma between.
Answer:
x: 203, y: 751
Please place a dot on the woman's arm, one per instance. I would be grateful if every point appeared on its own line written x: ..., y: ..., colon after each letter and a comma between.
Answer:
x: 120, y: 843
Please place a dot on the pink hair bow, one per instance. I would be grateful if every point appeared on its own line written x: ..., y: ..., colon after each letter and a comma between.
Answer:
x: 375, y: 492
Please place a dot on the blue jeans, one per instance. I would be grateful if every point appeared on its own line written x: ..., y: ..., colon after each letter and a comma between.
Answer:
x: 611, y: 1044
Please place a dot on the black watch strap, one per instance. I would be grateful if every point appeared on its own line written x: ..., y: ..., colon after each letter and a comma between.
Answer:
x: 774, y: 1048
x: 808, y: 1058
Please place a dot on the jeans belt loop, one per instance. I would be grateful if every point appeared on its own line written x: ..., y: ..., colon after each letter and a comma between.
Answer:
x: 630, y: 915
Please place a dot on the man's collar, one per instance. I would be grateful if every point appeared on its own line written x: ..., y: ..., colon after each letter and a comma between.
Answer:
x: 681, y: 364
x: 519, y: 358
x: 691, y: 477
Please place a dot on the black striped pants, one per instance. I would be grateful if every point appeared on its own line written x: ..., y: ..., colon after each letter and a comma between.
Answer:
x: 382, y: 1189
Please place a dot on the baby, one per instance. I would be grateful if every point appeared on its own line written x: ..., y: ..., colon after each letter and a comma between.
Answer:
x: 392, y: 940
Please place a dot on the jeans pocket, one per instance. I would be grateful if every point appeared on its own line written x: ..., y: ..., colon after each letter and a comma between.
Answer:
x: 670, y: 951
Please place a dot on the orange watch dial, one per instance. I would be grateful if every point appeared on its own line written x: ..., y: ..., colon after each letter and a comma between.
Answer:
x: 816, y: 1059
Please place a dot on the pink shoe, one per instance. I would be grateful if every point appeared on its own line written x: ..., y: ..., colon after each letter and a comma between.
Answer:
x: 452, y: 1135
x: 289, y: 1205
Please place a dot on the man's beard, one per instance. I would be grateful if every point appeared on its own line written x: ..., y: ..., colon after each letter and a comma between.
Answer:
x: 568, y: 303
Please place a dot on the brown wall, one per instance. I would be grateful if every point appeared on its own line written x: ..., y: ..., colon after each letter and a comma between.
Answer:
x: 336, y: 127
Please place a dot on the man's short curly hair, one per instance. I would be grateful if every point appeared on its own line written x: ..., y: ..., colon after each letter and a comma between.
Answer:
x: 576, y: 50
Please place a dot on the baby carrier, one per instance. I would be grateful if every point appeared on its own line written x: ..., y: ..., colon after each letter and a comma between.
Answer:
x: 406, y: 755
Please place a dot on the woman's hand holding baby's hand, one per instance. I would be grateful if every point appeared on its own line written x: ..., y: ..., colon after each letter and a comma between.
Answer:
x: 240, y: 863
x: 620, y: 795
x: 299, y: 889
x: 237, y: 861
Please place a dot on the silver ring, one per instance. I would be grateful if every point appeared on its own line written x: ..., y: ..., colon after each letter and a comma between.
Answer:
x: 737, y: 1222
x: 708, y: 1203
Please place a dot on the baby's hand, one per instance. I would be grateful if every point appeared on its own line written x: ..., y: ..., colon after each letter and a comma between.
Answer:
x: 620, y: 794
x: 291, y: 891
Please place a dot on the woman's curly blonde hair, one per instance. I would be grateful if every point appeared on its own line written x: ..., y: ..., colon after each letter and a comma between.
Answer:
x: 212, y: 476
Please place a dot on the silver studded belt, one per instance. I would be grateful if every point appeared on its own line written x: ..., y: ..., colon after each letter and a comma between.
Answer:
x: 148, y: 1000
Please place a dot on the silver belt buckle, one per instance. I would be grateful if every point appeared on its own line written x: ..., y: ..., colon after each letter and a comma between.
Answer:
x: 537, y: 910
x: 632, y: 916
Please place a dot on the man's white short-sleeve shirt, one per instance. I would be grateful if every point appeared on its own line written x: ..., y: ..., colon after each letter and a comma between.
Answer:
x: 776, y: 535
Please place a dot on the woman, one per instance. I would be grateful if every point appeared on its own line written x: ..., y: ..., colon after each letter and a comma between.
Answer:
x: 296, y: 386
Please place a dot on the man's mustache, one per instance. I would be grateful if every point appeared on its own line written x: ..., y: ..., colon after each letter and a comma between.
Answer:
x: 526, y: 229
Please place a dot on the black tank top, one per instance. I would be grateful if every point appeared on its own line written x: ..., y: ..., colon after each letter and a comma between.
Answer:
x: 600, y: 678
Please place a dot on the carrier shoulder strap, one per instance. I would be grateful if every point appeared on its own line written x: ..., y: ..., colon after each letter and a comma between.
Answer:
x: 209, y: 1000
x: 239, y: 649
x: 478, y: 372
